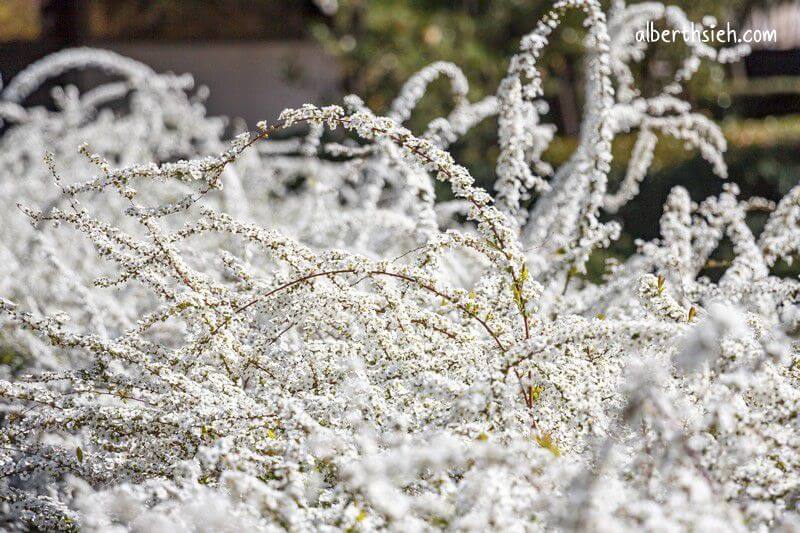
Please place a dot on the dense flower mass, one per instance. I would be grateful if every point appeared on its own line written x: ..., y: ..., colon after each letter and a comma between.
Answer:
x: 201, y: 334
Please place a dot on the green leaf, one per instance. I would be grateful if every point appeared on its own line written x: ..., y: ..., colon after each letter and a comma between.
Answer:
x: 536, y: 392
x: 523, y: 276
x: 545, y: 440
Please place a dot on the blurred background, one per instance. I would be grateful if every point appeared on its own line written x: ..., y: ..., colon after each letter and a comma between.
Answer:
x: 258, y: 57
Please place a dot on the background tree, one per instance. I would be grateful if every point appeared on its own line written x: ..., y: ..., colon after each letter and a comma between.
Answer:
x: 381, y: 43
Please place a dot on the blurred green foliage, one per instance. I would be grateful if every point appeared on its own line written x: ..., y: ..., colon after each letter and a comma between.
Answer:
x: 10, y: 357
x: 763, y: 159
x: 381, y: 43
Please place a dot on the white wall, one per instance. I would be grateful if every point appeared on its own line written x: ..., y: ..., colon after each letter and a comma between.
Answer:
x: 247, y: 79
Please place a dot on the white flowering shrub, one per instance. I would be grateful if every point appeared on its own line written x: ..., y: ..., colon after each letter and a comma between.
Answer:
x: 204, y: 335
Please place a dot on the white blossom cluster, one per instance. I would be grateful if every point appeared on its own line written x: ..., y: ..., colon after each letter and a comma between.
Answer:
x: 200, y: 334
